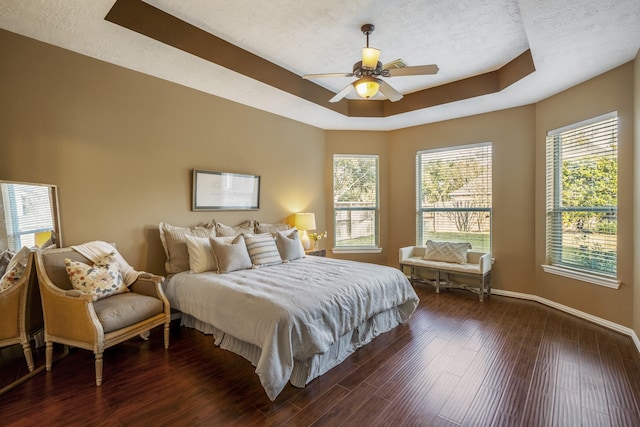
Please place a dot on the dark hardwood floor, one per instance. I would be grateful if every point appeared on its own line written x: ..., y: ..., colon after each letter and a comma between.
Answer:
x: 505, y: 362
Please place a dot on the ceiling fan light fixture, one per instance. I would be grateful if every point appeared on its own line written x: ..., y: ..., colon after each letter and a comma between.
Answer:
x: 370, y: 57
x: 367, y: 87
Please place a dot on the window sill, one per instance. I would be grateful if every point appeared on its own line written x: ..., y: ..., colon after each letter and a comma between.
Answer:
x: 582, y: 276
x: 356, y: 250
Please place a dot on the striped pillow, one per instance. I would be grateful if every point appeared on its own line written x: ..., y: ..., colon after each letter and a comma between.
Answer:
x: 263, y: 250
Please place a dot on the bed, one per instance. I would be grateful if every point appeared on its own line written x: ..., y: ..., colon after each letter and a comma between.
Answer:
x: 294, y: 320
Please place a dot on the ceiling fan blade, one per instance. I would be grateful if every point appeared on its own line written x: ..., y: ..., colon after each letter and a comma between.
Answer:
x: 388, y: 91
x: 319, y: 76
x: 344, y: 92
x: 418, y: 70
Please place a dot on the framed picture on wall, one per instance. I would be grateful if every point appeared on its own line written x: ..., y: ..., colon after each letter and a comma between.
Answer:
x: 225, y: 191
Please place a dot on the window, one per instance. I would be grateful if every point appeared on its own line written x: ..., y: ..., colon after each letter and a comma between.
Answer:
x: 454, y: 195
x: 355, y: 203
x: 581, y: 208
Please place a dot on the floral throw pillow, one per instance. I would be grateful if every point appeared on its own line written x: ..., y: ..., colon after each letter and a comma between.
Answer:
x: 101, y: 279
x: 5, y: 259
x: 15, y: 269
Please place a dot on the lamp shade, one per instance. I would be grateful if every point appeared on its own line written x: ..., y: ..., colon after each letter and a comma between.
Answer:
x: 305, y: 221
x: 367, y: 87
x: 370, y: 57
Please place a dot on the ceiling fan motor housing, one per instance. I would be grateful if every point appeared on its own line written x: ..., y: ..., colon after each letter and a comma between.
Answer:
x: 360, y: 71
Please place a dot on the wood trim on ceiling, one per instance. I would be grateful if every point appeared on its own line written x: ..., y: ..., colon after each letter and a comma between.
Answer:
x: 141, y: 17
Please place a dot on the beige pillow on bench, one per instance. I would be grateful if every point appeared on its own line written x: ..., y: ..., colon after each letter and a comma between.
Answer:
x: 447, y: 251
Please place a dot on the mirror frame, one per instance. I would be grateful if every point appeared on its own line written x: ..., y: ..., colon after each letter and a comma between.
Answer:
x: 13, y: 355
x: 55, y: 211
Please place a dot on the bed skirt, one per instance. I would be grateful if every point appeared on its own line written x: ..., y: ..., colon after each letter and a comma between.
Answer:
x: 305, y: 370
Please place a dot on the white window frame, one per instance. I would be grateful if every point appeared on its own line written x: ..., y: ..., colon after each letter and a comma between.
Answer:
x: 420, y: 210
x: 375, y: 248
x: 554, y: 210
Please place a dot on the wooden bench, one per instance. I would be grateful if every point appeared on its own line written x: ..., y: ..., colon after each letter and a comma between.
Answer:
x: 449, y: 274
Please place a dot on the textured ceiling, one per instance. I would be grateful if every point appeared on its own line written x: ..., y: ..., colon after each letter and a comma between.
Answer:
x: 570, y: 41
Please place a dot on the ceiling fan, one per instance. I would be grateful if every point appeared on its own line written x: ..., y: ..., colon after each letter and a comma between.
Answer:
x: 369, y: 72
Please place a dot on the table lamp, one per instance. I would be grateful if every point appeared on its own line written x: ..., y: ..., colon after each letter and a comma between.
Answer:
x: 303, y: 222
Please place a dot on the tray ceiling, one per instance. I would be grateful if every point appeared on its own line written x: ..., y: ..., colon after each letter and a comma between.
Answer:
x: 568, y: 41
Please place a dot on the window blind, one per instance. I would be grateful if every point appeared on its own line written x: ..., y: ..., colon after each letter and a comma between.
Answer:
x: 454, y: 195
x: 27, y: 211
x: 355, y: 201
x: 581, y: 195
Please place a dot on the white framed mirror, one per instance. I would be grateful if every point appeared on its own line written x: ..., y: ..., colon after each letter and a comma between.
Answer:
x: 29, y: 215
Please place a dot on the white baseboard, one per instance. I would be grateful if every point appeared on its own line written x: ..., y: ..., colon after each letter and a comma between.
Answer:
x: 597, y: 320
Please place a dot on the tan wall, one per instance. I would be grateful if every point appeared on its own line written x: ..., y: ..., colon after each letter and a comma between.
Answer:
x: 636, y: 199
x: 121, y: 147
x: 356, y: 142
x: 511, y: 135
x: 608, y: 92
x: 518, y: 229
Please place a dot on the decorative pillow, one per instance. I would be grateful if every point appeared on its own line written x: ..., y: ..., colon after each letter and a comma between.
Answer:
x: 447, y: 251
x: 175, y: 246
x: 101, y: 279
x: 201, y: 256
x: 15, y: 269
x: 231, y: 256
x: 227, y: 230
x: 263, y: 250
x: 289, y: 245
x: 269, y: 228
x: 5, y: 259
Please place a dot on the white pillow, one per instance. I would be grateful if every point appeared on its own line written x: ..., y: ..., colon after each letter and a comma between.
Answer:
x: 231, y: 256
x: 201, y: 257
x: 289, y: 245
x: 263, y: 250
x: 447, y: 251
x: 174, y: 243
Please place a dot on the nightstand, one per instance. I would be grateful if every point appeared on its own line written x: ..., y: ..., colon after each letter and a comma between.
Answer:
x: 316, y: 252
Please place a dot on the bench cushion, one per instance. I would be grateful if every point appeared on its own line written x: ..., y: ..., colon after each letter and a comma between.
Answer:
x: 442, y: 266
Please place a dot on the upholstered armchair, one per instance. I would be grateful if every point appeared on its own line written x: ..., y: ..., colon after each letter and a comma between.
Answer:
x: 20, y: 311
x: 77, y: 319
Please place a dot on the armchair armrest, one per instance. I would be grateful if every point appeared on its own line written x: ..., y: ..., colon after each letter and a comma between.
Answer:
x: 63, y: 308
x: 148, y: 284
x: 151, y: 285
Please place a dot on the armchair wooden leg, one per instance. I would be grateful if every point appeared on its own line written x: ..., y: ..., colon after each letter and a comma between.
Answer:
x: 98, y: 369
x: 28, y: 355
x: 166, y: 335
x: 49, y: 356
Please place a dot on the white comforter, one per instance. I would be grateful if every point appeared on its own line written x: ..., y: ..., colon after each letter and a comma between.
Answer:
x: 292, y: 310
